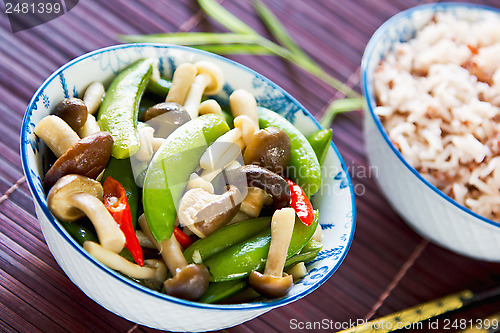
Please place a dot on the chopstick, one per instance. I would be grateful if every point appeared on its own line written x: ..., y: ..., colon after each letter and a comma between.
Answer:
x: 413, y: 317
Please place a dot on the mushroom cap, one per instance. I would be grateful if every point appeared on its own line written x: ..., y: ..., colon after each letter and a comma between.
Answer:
x: 88, y: 157
x: 270, y: 148
x: 267, y: 180
x: 270, y: 286
x: 166, y: 117
x: 68, y: 185
x: 215, y: 73
x: 190, y: 283
x: 73, y: 111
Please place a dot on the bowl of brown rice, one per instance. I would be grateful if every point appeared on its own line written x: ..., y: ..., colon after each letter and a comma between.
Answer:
x: 431, y: 80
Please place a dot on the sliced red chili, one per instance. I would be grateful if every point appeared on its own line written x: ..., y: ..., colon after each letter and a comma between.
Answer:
x: 115, y: 201
x: 183, y: 239
x: 300, y: 203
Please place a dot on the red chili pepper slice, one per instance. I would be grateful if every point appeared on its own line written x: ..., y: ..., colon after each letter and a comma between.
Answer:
x: 183, y: 239
x: 115, y: 201
x: 300, y: 203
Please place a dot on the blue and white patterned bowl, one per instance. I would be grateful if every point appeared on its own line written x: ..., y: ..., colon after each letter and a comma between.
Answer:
x: 423, y: 206
x: 126, y: 298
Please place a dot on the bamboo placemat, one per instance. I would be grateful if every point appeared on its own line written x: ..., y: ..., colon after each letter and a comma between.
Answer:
x: 388, y: 268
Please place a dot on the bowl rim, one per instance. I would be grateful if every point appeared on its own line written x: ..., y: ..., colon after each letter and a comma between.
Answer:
x: 370, y: 100
x: 60, y: 229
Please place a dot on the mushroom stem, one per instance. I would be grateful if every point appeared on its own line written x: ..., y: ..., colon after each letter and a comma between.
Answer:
x: 195, y: 94
x: 171, y: 252
x: 210, y: 106
x: 281, y: 232
x: 93, y: 96
x: 209, y: 80
x: 170, y: 249
x: 156, y: 143
x: 243, y: 103
x: 188, y: 281
x: 109, y: 233
x: 181, y: 82
x: 56, y: 134
x: 90, y: 127
x: 145, y: 153
x: 153, y: 269
x: 223, y: 151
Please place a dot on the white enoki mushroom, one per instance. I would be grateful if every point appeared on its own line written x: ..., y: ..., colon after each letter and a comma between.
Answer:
x: 93, y: 97
x: 153, y: 269
x: 223, y: 151
x: 253, y: 202
x: 282, y: 224
x: 209, y: 106
x: 247, y: 128
x: 243, y: 103
x: 90, y: 127
x: 56, y: 134
x: 145, y: 153
x: 208, y: 81
x: 195, y: 181
x: 170, y: 249
x: 181, y: 83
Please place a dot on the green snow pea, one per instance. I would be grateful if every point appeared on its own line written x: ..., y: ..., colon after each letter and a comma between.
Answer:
x: 159, y: 87
x: 320, y: 142
x: 219, y: 291
x: 304, y: 168
x: 239, y: 260
x: 308, y: 253
x: 121, y: 170
x: 171, y: 167
x: 119, y: 109
x: 79, y: 232
x: 226, y: 237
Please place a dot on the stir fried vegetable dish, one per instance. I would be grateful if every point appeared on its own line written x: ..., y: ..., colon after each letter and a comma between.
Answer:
x: 191, y: 198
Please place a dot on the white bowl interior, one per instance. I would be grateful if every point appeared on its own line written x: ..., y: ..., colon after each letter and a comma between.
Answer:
x: 335, y: 202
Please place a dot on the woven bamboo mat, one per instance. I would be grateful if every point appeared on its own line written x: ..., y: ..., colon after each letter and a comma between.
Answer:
x: 388, y: 268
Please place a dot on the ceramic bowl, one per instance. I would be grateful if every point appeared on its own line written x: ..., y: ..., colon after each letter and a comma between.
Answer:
x: 126, y: 298
x: 424, y: 207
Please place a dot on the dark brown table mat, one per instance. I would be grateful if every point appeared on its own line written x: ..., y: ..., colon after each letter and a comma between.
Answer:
x: 388, y: 268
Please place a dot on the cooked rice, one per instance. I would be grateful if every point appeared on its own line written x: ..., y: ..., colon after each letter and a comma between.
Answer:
x: 438, y: 98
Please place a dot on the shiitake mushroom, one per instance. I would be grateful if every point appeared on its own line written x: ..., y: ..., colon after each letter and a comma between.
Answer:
x: 165, y: 117
x: 73, y: 111
x: 270, y: 149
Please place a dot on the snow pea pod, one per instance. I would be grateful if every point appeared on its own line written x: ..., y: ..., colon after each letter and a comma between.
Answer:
x: 239, y: 260
x: 226, y: 237
x: 80, y: 233
x: 308, y: 253
x: 159, y: 87
x: 304, y: 168
x: 121, y: 170
x: 119, y: 109
x: 171, y: 167
x: 219, y: 291
x: 320, y: 141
